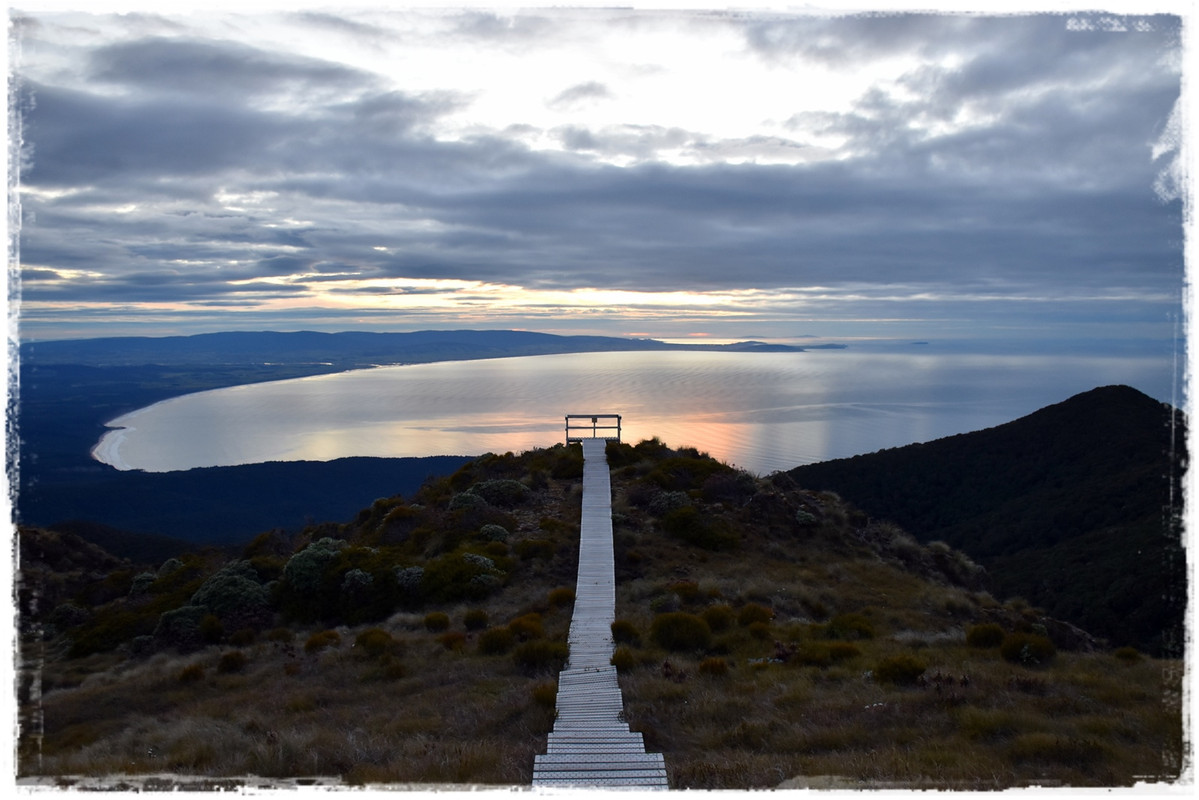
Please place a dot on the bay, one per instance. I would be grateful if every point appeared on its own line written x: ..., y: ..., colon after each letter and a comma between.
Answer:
x: 759, y: 411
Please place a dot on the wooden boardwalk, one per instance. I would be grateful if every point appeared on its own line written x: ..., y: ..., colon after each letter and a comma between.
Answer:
x: 591, y: 745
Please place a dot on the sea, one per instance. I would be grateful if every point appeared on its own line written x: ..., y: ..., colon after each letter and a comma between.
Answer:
x: 762, y: 412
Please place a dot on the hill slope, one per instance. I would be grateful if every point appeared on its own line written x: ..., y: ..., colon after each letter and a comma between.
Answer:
x: 1074, y: 507
x: 767, y: 633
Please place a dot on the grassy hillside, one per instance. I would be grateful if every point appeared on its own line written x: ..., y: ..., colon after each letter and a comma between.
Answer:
x: 768, y: 635
x: 1076, y: 507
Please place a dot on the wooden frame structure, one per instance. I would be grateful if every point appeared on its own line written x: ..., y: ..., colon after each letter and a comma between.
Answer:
x: 592, y: 423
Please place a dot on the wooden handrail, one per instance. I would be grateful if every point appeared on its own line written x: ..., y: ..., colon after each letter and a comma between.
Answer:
x: 592, y: 423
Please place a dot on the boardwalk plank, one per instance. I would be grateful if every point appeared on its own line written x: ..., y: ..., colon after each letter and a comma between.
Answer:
x: 590, y: 745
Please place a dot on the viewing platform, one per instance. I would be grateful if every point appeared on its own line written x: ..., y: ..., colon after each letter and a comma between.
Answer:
x: 591, y: 744
x: 609, y: 424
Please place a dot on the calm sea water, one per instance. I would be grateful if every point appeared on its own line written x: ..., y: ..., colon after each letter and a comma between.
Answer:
x: 762, y: 411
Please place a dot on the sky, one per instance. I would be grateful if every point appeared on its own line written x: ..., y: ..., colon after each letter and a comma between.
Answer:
x: 712, y: 174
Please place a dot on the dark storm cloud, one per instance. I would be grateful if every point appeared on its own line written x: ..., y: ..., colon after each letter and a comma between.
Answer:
x: 219, y: 166
x: 238, y: 71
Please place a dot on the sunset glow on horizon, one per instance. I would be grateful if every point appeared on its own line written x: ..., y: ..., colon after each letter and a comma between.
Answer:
x: 763, y: 175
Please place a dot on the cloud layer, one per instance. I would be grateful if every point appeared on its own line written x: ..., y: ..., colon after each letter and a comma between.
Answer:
x: 601, y: 171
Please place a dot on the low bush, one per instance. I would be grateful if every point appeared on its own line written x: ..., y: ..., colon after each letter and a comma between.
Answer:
x: 689, y: 525
x: 680, y: 631
x: 475, y: 619
x: 233, y: 661
x: 849, y: 626
x: 502, y: 492
x: 719, y: 617
x: 541, y: 655
x: 545, y: 694
x: 714, y: 667
x: 750, y: 613
x: 1028, y: 649
x: 984, y: 636
x: 493, y: 533
x: 242, y: 637
x: 191, y: 673
x: 625, y: 632
x: 496, y: 641
x: 687, y: 591
x: 320, y: 640
x: 811, y: 654
x: 1129, y: 655
x: 902, y: 670
x: 530, y: 549
x: 761, y: 631
x: 561, y: 597
x: 623, y: 659
x: 282, y: 635
x: 437, y: 621
x: 453, y: 641
x: 526, y: 627
x: 842, y: 651
x: 374, y: 642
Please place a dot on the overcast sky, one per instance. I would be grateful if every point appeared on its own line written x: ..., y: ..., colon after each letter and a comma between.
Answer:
x: 663, y: 173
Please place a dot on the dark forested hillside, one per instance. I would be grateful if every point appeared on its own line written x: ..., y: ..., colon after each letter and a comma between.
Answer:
x: 1075, y: 507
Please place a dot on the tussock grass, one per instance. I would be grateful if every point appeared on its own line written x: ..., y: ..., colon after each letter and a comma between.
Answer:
x: 765, y: 672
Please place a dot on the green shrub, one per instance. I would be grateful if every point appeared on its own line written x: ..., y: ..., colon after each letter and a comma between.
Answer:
x: 903, y: 670
x: 495, y: 641
x: 243, y: 637
x: 530, y: 549
x: 541, y: 655
x: 714, y: 667
x: 281, y: 635
x: 754, y: 612
x: 985, y: 635
x: 849, y: 627
x: 1129, y: 655
x: 322, y: 639
x: 452, y: 640
x: 812, y: 654
x: 374, y: 642
x: 545, y: 694
x: 625, y: 632
x: 502, y: 492
x: 233, y: 590
x: 687, y: 591
x: 679, y: 631
x: 437, y: 621
x: 233, y: 661
x: 561, y: 597
x: 1028, y: 649
x: 191, y: 673
x: 623, y: 659
x: 180, y: 628
x: 719, y: 617
x: 691, y: 526
x: 305, y: 571
x: 761, y: 631
x: 842, y: 651
x: 475, y: 619
x: 526, y: 627
x: 460, y: 576
x: 210, y: 628
x: 493, y: 533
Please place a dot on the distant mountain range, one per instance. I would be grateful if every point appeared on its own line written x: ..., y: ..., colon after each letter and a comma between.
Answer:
x: 1075, y: 507
x: 345, y: 350
x: 68, y: 389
